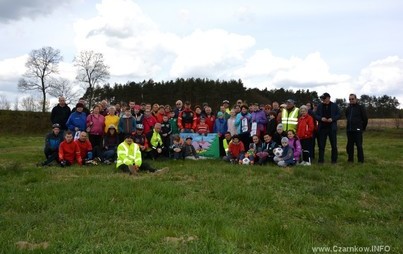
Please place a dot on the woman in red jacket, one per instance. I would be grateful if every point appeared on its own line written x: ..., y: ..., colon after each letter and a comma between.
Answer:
x: 305, y: 131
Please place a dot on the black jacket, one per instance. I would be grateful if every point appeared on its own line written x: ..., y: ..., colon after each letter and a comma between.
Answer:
x: 60, y: 115
x: 357, y: 118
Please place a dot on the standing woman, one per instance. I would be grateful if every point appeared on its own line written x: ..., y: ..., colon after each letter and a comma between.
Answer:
x: 243, y: 123
x: 111, y: 118
x: 305, y: 131
x: 95, y: 129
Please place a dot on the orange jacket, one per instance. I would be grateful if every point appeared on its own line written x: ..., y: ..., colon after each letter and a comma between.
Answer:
x: 69, y: 152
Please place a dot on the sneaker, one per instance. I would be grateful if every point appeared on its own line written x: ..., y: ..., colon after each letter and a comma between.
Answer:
x: 107, y: 162
x: 306, y: 163
x: 161, y: 171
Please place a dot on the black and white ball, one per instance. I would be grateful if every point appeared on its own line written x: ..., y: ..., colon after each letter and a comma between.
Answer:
x: 278, y: 151
x: 245, y: 161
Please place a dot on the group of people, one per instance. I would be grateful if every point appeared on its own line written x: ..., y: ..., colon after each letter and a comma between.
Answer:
x: 126, y: 134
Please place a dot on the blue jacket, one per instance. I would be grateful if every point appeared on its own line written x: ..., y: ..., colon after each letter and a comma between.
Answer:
x: 53, y: 141
x: 238, y: 122
x: 220, y: 126
x: 77, y: 119
x: 334, y: 114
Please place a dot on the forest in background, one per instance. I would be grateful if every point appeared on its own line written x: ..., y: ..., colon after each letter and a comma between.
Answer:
x: 198, y: 91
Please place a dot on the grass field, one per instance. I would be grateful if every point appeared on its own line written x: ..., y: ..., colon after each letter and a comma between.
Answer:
x: 202, y: 206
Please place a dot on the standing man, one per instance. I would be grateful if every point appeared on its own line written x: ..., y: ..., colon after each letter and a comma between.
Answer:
x: 60, y: 114
x: 357, y: 121
x: 289, y: 116
x: 327, y: 115
x: 85, y: 109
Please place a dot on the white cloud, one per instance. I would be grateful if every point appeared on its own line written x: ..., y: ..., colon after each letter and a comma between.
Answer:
x: 383, y: 76
x: 209, y: 53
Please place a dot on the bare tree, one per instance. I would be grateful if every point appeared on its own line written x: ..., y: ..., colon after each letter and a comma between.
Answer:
x: 4, y: 103
x: 63, y: 87
x: 28, y: 104
x: 16, y: 104
x: 41, y: 64
x: 91, y: 70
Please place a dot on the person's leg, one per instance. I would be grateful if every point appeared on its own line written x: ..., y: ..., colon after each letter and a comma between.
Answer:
x: 333, y: 143
x: 108, y: 155
x: 124, y: 168
x: 360, y: 150
x: 50, y: 156
x: 350, y: 146
x: 306, y: 149
x: 147, y: 167
x: 322, y: 135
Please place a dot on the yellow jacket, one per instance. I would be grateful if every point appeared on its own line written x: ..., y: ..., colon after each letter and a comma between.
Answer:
x: 129, y: 155
x: 111, y: 120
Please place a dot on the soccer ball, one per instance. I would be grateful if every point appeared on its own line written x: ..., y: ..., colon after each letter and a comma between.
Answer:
x: 245, y: 161
x: 278, y: 151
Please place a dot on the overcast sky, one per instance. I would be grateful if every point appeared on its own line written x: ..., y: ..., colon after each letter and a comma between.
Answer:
x: 328, y: 46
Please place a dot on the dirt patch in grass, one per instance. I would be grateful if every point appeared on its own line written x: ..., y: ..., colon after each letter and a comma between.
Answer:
x: 180, y: 240
x: 23, y: 245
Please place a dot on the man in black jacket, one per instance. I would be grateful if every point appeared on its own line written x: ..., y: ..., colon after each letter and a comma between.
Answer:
x: 357, y: 121
x: 60, y: 114
x: 327, y: 115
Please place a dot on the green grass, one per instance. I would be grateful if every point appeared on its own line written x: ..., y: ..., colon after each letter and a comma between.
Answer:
x: 203, y: 206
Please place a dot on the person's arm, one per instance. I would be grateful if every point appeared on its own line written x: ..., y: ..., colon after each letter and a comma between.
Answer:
x: 289, y: 155
x: 336, y: 113
x: 61, y: 152
x: 78, y: 154
x: 364, y: 117
x: 179, y: 122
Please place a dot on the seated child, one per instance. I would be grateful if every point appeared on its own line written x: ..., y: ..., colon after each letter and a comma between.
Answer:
x: 287, y: 157
x: 236, y: 151
x: 294, y: 142
x: 189, y: 152
x: 226, y: 141
x: 254, y: 148
x: 266, y: 154
x: 177, y: 147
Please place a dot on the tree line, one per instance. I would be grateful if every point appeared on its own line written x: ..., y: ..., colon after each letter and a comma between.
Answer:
x: 198, y: 91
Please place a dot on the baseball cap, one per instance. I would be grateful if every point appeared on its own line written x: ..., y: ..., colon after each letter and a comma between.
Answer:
x: 325, y: 95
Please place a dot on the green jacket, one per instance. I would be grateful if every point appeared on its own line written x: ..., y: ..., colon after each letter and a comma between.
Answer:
x: 129, y: 155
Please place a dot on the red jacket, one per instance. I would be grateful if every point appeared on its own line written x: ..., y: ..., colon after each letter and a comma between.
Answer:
x: 210, y: 120
x: 148, y: 123
x: 187, y: 119
x: 236, y: 149
x: 305, y: 127
x: 69, y: 152
x: 85, y: 147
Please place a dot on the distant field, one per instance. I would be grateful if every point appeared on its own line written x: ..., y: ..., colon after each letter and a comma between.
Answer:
x: 377, y: 124
x: 202, y: 206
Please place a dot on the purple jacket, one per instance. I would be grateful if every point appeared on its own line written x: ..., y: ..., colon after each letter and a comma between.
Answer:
x: 260, y: 118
